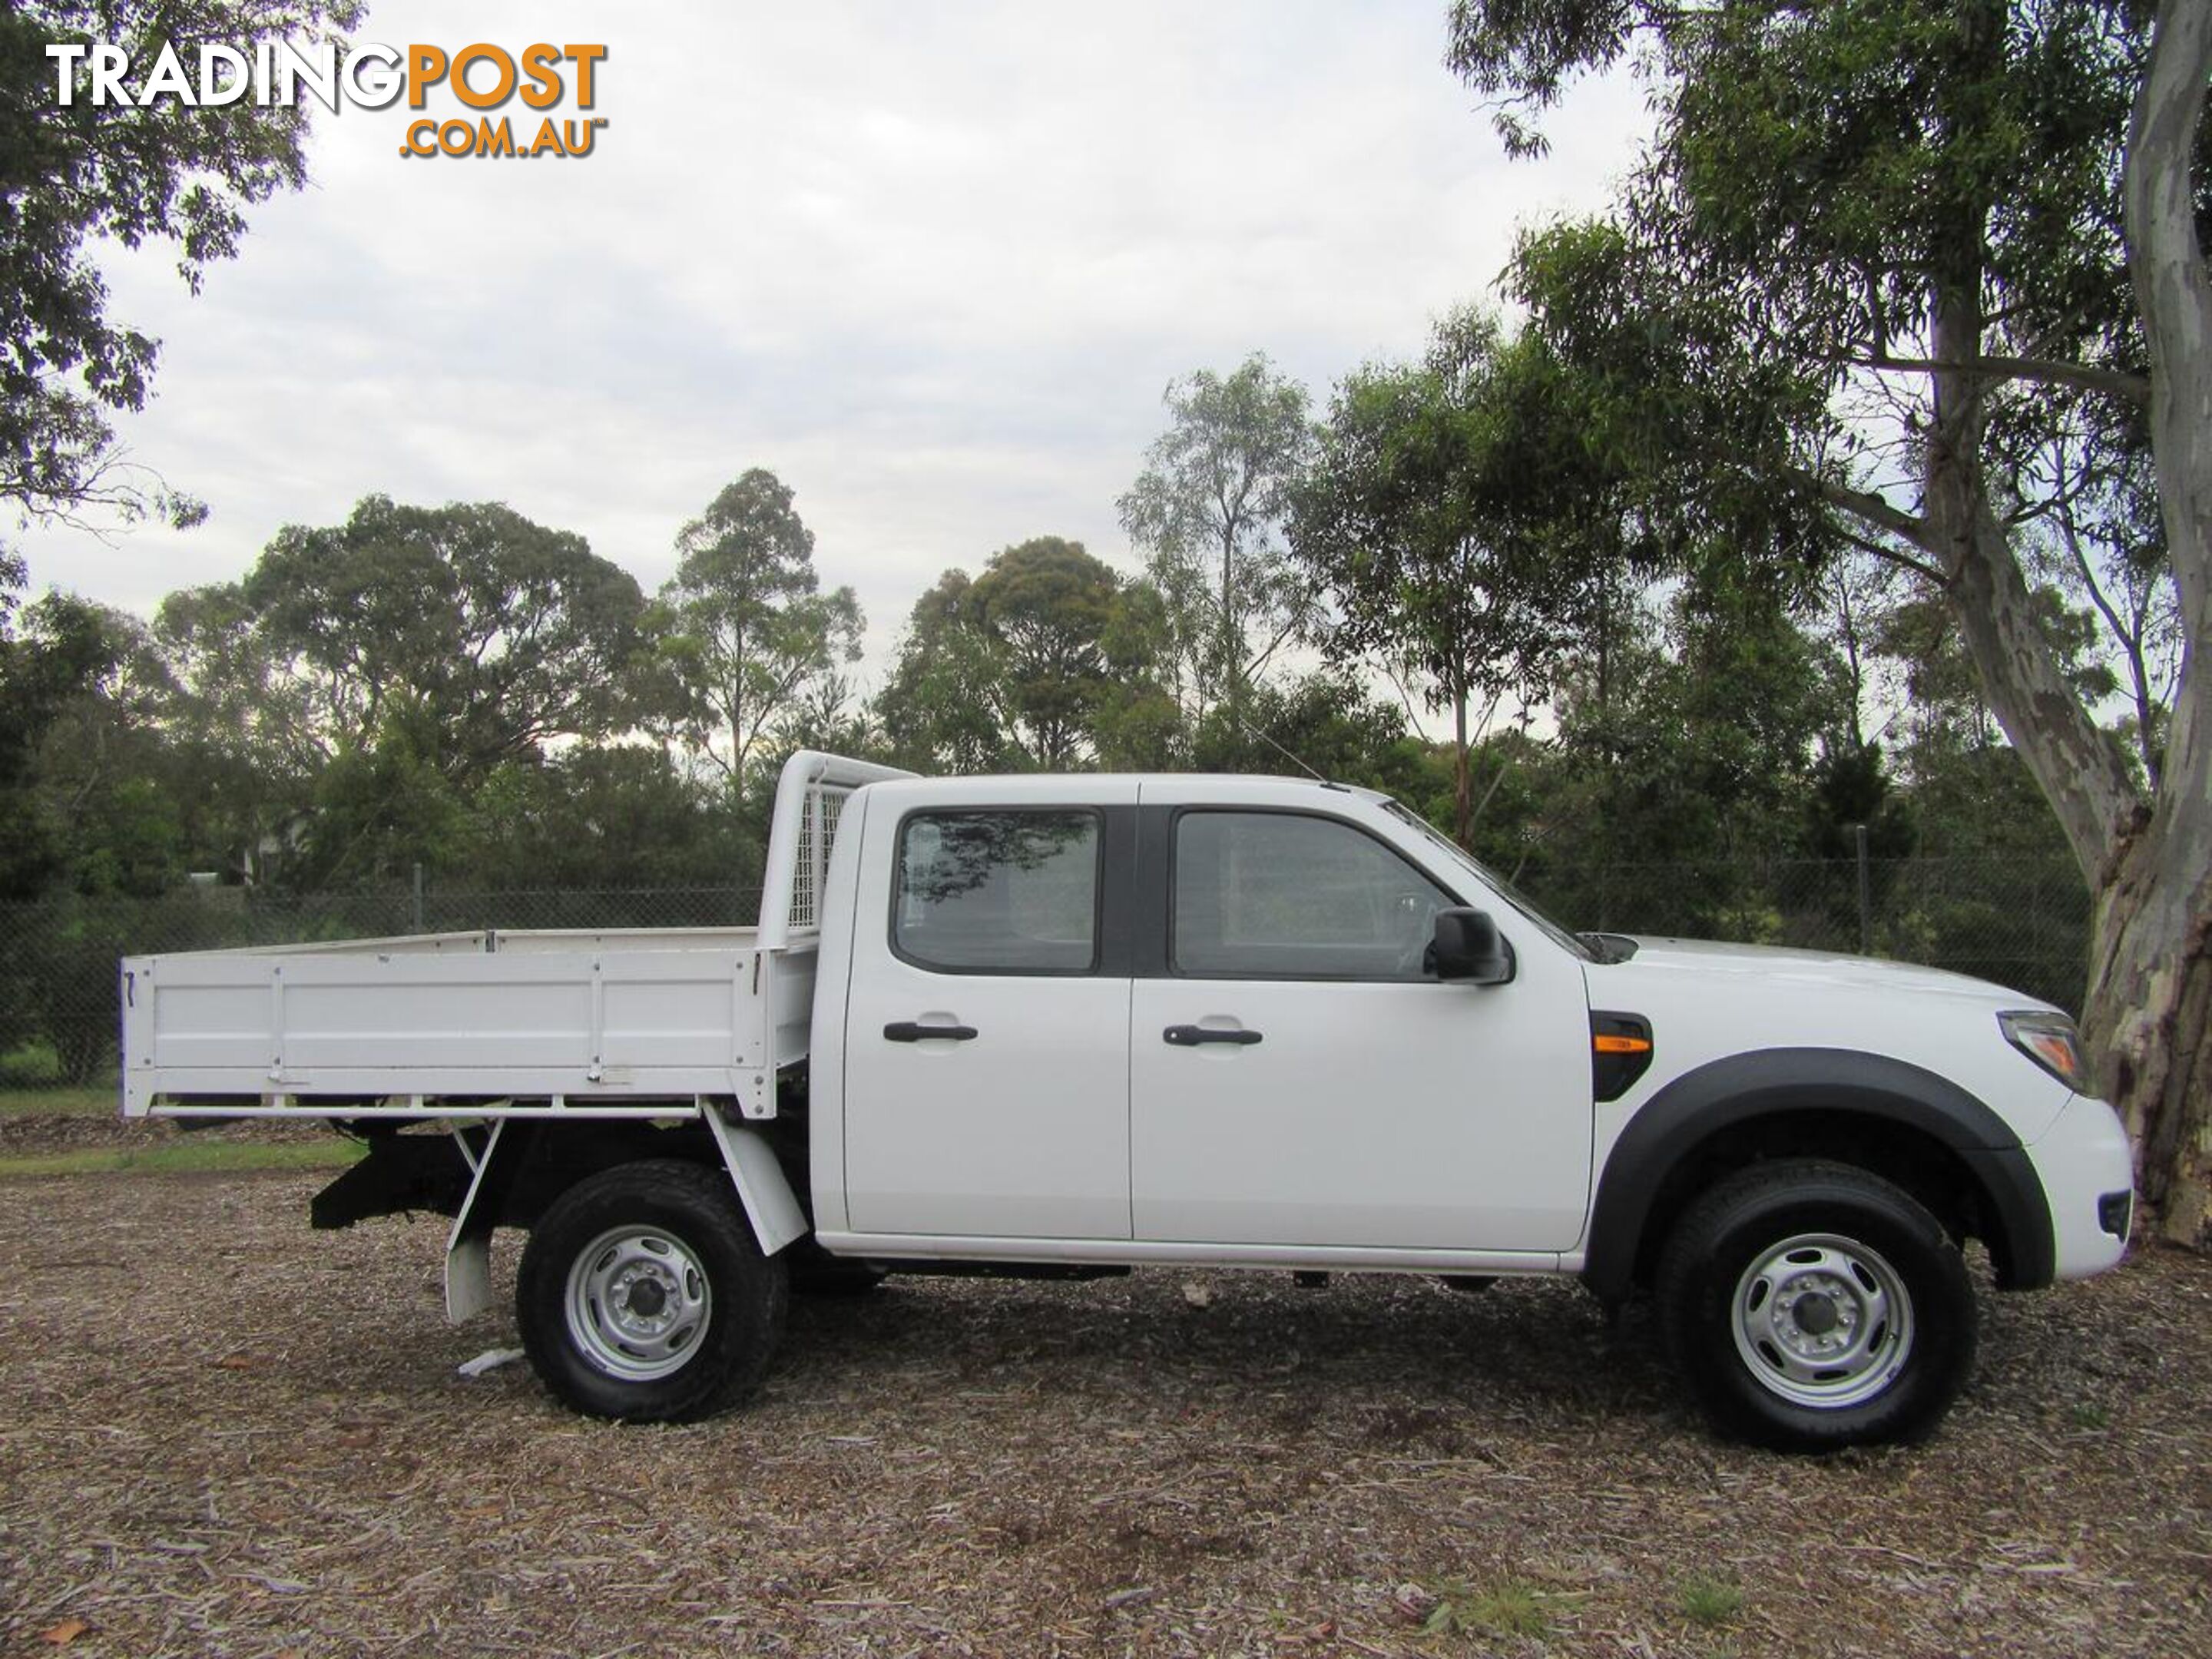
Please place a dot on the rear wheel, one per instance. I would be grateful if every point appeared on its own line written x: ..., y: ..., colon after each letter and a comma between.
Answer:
x: 1811, y: 1306
x: 643, y: 1296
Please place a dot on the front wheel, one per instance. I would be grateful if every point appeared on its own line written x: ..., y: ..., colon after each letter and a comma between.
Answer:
x: 643, y: 1295
x: 1811, y: 1306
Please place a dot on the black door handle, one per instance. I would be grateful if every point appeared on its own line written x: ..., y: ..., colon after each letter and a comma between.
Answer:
x: 1189, y: 1036
x: 907, y: 1030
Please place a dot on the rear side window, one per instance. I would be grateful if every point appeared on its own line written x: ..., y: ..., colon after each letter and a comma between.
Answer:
x: 1279, y: 896
x: 1006, y: 892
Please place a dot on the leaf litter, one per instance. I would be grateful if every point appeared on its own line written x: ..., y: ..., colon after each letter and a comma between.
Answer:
x: 252, y: 1439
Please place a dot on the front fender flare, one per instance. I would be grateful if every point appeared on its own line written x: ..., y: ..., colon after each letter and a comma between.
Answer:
x: 1771, y: 1082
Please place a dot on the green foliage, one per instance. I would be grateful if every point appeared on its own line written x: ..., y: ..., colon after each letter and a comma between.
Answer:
x: 743, y: 631
x: 340, y: 704
x: 375, y: 814
x: 477, y: 633
x: 58, y: 982
x: 612, y: 816
x: 1877, y: 242
x: 1948, y: 706
x: 71, y: 177
x: 1046, y: 606
x: 1851, y: 788
x: 243, y: 728
x: 1137, y: 725
x: 1450, y: 541
x: 939, y: 711
x: 1705, y: 748
x: 107, y: 778
x: 1324, y: 723
x: 55, y: 657
x: 1047, y: 659
x: 1979, y: 798
x: 1506, y: 1606
x: 1832, y: 165
x: 1207, y: 512
x: 1710, y: 1600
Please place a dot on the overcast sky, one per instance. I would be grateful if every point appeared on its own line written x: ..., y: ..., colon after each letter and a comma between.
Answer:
x: 933, y: 264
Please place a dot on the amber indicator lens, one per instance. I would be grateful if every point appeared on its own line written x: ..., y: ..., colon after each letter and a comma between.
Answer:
x: 2048, y: 1040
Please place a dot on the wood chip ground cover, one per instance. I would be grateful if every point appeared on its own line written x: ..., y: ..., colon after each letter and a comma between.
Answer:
x: 226, y: 1433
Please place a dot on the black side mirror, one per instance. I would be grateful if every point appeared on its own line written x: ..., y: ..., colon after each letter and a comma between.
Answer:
x: 1467, y: 947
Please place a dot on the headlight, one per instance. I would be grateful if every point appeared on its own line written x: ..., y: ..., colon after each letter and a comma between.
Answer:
x: 2048, y: 1040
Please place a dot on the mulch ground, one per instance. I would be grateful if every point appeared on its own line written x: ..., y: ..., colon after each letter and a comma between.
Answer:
x: 34, y: 1134
x: 224, y: 1433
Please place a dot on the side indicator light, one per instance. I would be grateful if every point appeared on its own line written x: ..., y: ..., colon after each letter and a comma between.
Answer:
x: 1621, y: 1053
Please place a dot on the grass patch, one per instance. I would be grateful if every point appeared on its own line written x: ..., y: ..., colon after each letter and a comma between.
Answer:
x: 98, y: 1100
x: 1507, y: 1607
x: 188, y: 1157
x: 1708, y: 1601
x: 2089, y: 1415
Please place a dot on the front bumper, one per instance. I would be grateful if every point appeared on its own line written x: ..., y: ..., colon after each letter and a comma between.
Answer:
x: 2085, y: 1166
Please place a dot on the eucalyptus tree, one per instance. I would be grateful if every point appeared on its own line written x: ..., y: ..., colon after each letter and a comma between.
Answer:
x: 744, y: 631
x: 939, y: 708
x: 1046, y: 606
x: 80, y: 176
x: 1453, y: 534
x: 360, y: 683
x: 491, y: 635
x: 1208, y: 511
x: 1027, y: 664
x: 1875, y: 251
x: 488, y: 629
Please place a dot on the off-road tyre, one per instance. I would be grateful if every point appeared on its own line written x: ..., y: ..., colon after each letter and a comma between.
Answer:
x: 643, y: 1295
x: 1810, y: 1306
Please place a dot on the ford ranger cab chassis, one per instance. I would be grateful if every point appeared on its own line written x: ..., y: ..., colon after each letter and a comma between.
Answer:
x: 1075, y: 1024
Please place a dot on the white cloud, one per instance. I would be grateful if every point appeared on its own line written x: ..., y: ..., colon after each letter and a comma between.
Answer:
x: 934, y: 265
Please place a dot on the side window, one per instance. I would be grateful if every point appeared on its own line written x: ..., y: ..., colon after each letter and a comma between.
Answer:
x: 1007, y: 892
x: 1277, y: 896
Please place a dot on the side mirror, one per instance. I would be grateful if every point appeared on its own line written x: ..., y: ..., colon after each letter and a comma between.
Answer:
x: 1467, y: 947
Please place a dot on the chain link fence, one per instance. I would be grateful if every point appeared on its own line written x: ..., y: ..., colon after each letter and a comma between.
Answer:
x: 2023, y: 924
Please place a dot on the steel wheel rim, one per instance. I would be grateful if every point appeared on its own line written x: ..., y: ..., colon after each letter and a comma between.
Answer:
x: 639, y: 1302
x: 1822, y: 1321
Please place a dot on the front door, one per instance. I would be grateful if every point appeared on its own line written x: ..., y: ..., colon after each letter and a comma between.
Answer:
x: 1298, y: 1078
x: 987, y: 1075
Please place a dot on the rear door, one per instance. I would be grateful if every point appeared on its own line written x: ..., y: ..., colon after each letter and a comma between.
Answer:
x: 1298, y: 1079
x: 986, y: 1073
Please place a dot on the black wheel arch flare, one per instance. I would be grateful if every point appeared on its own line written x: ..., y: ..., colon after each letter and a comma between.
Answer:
x: 1841, y: 1087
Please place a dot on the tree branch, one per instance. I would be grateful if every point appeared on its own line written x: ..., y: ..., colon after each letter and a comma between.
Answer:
x: 2044, y: 371
x: 1876, y: 511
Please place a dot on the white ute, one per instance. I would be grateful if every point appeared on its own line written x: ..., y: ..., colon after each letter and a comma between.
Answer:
x: 1069, y: 1026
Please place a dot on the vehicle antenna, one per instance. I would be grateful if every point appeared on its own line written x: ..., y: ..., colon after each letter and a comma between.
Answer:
x: 1254, y: 731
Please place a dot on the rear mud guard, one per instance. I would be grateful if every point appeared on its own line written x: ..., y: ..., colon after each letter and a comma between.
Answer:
x: 468, y: 1246
x: 770, y: 1205
x: 770, y: 1208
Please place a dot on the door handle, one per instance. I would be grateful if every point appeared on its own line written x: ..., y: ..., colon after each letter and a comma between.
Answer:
x: 907, y: 1030
x: 1189, y: 1036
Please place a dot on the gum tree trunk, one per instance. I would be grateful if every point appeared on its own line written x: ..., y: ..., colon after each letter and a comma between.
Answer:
x: 2149, y: 863
x: 2151, y: 987
x: 2144, y: 1026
